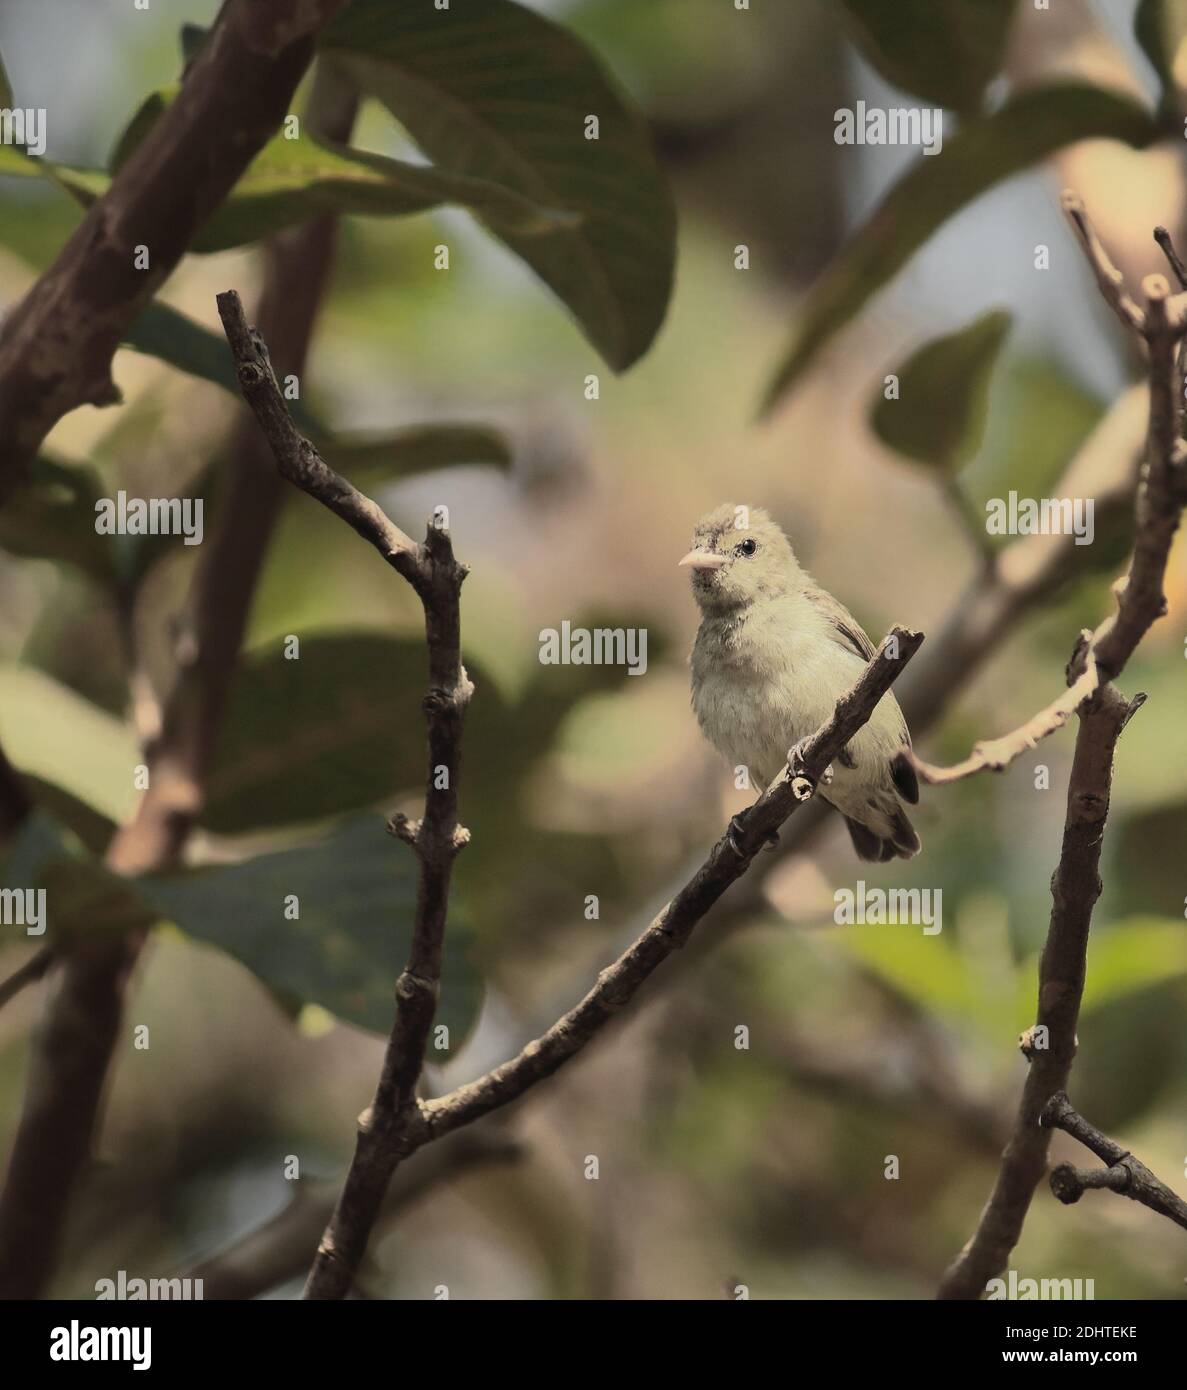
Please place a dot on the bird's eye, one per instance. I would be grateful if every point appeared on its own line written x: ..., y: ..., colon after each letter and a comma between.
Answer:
x: 747, y: 547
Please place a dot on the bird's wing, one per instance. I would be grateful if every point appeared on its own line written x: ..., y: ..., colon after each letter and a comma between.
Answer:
x: 847, y: 632
x: 843, y: 627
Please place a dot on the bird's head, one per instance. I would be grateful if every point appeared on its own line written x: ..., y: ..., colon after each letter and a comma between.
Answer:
x: 739, y: 556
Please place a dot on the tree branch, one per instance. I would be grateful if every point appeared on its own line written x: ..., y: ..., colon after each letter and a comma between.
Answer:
x: 1125, y: 1174
x: 1050, y: 1046
x: 437, y: 579
x: 672, y: 927
x: 58, y: 342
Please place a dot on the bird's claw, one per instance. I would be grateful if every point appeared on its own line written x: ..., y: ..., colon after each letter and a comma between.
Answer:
x: 804, y: 787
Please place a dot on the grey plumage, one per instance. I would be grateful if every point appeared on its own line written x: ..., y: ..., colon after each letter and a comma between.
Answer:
x: 773, y: 654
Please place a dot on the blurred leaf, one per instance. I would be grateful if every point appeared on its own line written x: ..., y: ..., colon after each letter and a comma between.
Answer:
x: 982, y: 153
x: 335, y: 730
x: 51, y: 516
x: 945, y: 51
x: 383, y: 457
x: 939, y: 416
x: 356, y: 890
x: 1160, y: 26
x: 1039, y: 417
x: 50, y: 732
x: 1131, y: 955
x: 499, y: 93
x: 5, y: 86
x: 1148, y: 870
x: 192, y: 37
x: 185, y: 344
x: 83, y: 899
x: 147, y: 114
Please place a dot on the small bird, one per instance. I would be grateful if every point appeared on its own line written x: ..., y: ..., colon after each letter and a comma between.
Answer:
x: 772, y: 656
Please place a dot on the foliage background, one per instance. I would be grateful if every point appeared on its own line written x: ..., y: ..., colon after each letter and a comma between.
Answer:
x: 716, y: 1166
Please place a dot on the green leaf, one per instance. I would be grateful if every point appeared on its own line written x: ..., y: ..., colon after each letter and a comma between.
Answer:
x: 380, y: 457
x: 5, y: 87
x: 50, y: 732
x: 499, y: 93
x: 939, y: 416
x: 981, y: 154
x: 1131, y: 955
x: 1160, y: 26
x: 147, y: 114
x: 335, y: 730
x: 293, y: 179
x: 356, y: 893
x: 185, y: 344
x: 945, y: 51
x: 51, y: 516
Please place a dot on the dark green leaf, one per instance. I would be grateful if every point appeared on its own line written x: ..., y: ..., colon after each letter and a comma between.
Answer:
x: 383, y: 457
x: 499, y: 93
x: 165, y: 333
x: 335, y: 730
x: 5, y: 86
x: 193, y: 36
x: 980, y: 155
x: 147, y: 115
x: 293, y: 179
x: 945, y: 51
x: 52, y: 517
x: 356, y: 891
x: 939, y: 416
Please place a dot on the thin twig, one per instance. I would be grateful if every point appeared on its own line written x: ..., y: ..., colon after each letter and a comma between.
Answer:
x: 1108, y: 277
x: 1125, y: 1174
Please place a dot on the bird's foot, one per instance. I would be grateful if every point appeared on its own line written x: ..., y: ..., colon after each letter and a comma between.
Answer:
x: 737, y: 827
x: 803, y: 786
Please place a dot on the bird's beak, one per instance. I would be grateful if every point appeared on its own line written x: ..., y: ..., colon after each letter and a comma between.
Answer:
x: 703, y: 560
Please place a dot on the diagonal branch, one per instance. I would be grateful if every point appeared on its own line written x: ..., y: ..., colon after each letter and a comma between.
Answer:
x: 1050, y: 1045
x: 1125, y: 1174
x: 617, y: 985
x: 59, y: 341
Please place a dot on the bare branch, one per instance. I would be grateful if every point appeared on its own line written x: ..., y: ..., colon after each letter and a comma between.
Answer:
x: 1050, y: 1046
x: 1125, y: 1174
x: 673, y: 926
x: 436, y: 839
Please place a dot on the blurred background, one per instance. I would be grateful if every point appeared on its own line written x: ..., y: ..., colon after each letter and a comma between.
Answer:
x: 716, y: 1166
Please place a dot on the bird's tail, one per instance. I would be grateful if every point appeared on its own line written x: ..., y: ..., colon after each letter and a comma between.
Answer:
x: 894, y: 835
